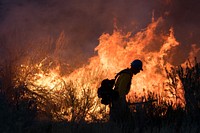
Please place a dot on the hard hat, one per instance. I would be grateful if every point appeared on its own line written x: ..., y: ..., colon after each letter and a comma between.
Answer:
x: 137, y: 64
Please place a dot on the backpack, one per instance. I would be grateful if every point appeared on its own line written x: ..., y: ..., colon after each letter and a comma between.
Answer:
x: 106, y: 91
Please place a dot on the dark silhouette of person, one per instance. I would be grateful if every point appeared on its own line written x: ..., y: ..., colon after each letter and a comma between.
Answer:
x: 119, y: 110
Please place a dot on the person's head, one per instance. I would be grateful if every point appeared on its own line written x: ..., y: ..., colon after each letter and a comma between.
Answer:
x: 136, y: 66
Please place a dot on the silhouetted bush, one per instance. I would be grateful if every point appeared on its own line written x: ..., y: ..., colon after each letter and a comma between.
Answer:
x: 190, y: 78
x: 24, y: 110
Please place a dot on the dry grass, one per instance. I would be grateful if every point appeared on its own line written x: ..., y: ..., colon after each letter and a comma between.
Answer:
x: 19, y: 110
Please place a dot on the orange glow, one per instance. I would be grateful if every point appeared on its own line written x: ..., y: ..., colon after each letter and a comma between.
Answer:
x: 115, y: 52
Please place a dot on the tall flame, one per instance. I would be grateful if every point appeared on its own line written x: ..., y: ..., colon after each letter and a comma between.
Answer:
x: 115, y: 52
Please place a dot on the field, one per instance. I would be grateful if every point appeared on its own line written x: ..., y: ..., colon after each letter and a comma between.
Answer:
x: 54, y: 55
x: 20, y: 113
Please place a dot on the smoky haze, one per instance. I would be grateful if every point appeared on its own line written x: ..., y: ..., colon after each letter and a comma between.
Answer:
x: 26, y: 25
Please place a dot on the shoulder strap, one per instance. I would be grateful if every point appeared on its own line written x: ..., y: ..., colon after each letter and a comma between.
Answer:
x: 123, y: 71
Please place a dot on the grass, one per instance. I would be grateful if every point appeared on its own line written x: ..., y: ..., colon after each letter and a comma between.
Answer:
x: 21, y: 115
x: 108, y: 127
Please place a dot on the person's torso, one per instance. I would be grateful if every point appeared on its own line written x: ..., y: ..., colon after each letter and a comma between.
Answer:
x: 123, y: 83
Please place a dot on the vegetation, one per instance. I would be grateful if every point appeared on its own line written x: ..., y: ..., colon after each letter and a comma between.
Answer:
x: 23, y: 110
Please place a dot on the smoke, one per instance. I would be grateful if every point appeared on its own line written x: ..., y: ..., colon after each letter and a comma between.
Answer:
x: 26, y: 25
x: 183, y: 16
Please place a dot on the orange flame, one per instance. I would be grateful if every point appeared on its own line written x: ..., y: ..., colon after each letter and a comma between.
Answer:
x: 115, y: 52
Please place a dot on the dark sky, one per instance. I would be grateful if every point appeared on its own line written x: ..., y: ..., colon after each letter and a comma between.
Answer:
x: 26, y: 24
